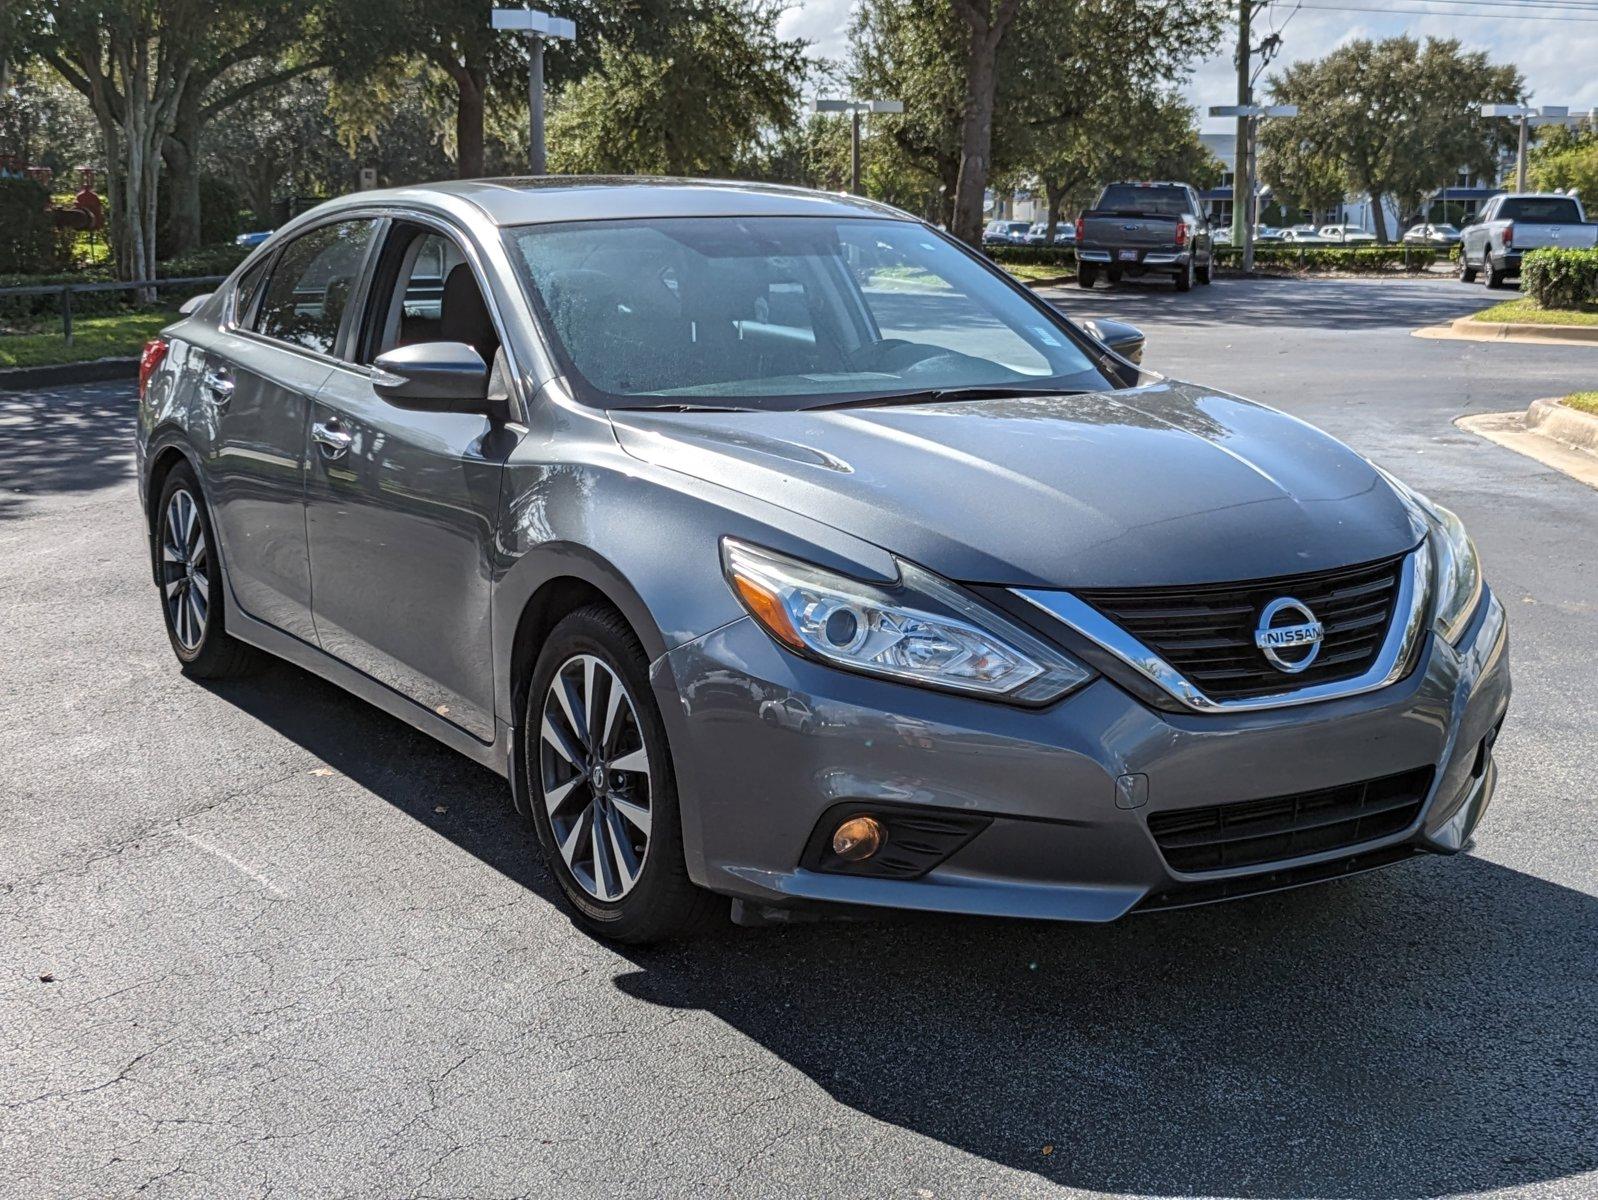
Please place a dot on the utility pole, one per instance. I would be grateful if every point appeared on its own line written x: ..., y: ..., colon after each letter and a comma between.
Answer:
x: 1242, y: 167
x: 538, y: 27
x: 1248, y: 119
x: 855, y: 108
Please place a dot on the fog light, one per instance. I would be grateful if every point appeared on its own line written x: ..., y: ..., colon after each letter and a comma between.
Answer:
x: 857, y: 838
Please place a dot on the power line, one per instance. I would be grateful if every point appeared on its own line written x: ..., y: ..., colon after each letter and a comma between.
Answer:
x: 1390, y: 10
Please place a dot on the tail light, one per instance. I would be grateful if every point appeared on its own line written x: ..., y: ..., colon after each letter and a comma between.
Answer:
x: 1181, y: 233
x: 1509, y: 236
x: 154, y: 351
x: 1080, y: 226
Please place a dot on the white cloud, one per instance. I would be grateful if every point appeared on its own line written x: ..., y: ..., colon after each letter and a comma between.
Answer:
x: 1556, y: 57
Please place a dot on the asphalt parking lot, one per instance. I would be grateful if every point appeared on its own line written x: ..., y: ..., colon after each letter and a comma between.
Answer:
x: 294, y: 948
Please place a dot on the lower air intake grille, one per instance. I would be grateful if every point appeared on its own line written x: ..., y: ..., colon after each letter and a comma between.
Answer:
x: 1252, y: 832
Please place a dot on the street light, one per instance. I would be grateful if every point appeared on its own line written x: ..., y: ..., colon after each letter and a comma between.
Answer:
x: 1548, y: 114
x: 539, y: 27
x: 855, y: 108
x: 1243, y: 214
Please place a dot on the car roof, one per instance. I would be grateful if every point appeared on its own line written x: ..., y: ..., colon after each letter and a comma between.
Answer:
x: 550, y: 198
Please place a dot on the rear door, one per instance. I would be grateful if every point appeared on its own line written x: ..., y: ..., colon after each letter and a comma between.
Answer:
x: 401, y: 504
x: 257, y: 381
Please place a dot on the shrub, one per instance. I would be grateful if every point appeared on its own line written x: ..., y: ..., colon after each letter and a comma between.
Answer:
x: 1560, y: 278
x: 1033, y: 256
x: 1363, y: 259
x: 27, y: 234
x: 219, y: 259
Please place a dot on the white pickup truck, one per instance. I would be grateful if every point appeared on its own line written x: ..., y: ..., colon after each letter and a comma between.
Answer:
x: 1511, y: 225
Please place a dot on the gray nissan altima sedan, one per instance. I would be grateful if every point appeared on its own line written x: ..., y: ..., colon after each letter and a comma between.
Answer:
x: 776, y: 547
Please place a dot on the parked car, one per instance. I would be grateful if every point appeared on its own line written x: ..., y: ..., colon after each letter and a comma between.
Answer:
x: 1005, y: 233
x: 1267, y: 233
x: 1432, y: 235
x: 1510, y: 225
x: 1144, y: 228
x: 1038, y: 234
x: 1305, y: 235
x: 1347, y: 234
x: 252, y: 239
x: 760, y: 576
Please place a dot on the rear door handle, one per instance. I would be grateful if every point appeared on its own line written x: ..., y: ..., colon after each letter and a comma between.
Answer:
x: 219, y: 384
x: 334, y: 441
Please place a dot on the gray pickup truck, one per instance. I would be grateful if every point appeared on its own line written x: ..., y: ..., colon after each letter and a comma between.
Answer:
x: 1144, y: 228
x: 1511, y: 225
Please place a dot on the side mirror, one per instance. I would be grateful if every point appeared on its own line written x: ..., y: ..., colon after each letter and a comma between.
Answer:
x: 192, y: 305
x: 433, y: 377
x: 1126, y: 340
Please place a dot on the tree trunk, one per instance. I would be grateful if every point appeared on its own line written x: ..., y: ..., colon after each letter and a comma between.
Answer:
x: 1055, y: 194
x: 986, y: 23
x: 181, y: 155
x: 469, y: 85
x: 1379, y: 214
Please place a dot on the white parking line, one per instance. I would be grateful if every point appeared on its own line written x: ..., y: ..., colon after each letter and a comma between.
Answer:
x: 231, y: 861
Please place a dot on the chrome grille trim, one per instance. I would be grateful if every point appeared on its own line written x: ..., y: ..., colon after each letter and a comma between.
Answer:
x: 1409, y: 618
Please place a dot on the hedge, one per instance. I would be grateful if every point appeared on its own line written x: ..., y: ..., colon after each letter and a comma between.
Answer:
x: 27, y: 232
x: 1561, y: 278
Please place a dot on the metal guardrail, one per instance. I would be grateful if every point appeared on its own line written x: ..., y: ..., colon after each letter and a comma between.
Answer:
x: 67, y: 290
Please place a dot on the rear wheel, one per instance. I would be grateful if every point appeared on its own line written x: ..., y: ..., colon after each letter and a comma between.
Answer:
x: 601, y: 785
x: 191, y: 583
x: 1086, y: 276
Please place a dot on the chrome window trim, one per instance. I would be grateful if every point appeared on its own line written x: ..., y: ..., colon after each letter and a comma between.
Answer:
x: 1414, y: 600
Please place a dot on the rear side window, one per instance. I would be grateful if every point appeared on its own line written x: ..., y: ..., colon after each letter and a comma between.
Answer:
x: 310, y: 286
x: 1551, y: 210
x: 248, y: 291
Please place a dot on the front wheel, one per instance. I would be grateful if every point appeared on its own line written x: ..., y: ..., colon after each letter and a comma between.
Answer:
x: 1206, y: 273
x: 1467, y: 273
x: 1184, y: 280
x: 601, y: 785
x: 1492, y: 276
x: 191, y: 583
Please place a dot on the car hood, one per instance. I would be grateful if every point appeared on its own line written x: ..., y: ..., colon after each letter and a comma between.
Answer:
x: 1166, y: 484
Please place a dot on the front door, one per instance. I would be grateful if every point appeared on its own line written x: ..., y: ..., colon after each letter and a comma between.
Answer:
x: 401, y: 504
x: 256, y: 381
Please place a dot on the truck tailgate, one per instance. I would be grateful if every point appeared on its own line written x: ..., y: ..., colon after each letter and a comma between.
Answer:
x: 1529, y: 236
x: 1142, y: 232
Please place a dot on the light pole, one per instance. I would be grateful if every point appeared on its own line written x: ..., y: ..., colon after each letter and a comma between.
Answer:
x: 1548, y: 114
x: 539, y: 27
x: 855, y: 108
x: 1248, y: 122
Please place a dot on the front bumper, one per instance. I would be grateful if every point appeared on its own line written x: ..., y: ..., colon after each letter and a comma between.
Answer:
x: 765, y: 743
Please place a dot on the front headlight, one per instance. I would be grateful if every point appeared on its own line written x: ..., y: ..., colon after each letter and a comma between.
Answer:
x: 924, y: 631
x: 1456, y: 573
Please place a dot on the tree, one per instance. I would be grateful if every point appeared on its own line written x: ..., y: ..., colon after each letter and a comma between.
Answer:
x: 1566, y: 159
x: 986, y: 23
x: 699, y: 104
x: 1395, y: 117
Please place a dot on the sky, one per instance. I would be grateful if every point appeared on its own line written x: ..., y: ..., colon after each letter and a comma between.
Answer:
x: 1559, y: 58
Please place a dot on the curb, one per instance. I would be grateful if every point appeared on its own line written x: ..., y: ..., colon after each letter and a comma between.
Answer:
x: 1553, y: 419
x: 96, y: 370
x: 1521, y: 331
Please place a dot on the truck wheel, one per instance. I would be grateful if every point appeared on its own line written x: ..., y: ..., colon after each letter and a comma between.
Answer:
x: 1113, y: 274
x: 1467, y: 273
x: 1184, y: 281
x: 1086, y: 276
x: 1494, y: 277
x: 1206, y: 273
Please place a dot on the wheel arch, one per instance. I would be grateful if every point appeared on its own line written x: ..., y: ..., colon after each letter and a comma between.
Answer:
x: 164, y: 456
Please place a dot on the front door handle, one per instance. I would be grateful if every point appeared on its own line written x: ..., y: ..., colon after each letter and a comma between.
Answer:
x: 219, y: 384
x: 334, y: 441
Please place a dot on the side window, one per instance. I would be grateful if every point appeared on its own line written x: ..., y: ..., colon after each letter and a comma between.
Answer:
x: 427, y: 293
x: 248, y: 290
x: 310, y: 286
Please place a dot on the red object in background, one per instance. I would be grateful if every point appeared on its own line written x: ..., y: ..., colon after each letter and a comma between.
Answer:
x: 154, y: 351
x: 88, y: 200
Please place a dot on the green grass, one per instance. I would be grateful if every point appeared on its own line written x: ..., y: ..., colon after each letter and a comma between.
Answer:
x: 1026, y: 271
x: 1529, y: 312
x: 121, y: 336
x: 1586, y: 401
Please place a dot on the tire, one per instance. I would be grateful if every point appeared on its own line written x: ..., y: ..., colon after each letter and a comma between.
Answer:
x: 1184, y: 281
x: 632, y: 886
x: 1206, y: 273
x: 1086, y: 276
x: 1113, y: 274
x: 1491, y: 276
x: 1467, y: 273
x: 191, y: 583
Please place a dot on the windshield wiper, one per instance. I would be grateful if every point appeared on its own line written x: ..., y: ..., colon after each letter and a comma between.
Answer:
x: 944, y: 395
x: 678, y: 408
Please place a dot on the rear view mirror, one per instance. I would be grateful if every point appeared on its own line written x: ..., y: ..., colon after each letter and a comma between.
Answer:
x: 1126, y: 340
x: 433, y: 377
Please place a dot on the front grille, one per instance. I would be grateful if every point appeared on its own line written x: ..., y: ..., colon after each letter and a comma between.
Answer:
x: 1207, y: 631
x: 1251, y: 832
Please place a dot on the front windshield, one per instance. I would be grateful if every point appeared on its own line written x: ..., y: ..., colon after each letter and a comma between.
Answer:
x: 783, y: 312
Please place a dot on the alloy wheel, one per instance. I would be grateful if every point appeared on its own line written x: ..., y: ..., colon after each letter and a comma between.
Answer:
x: 594, y: 775
x: 185, y: 570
